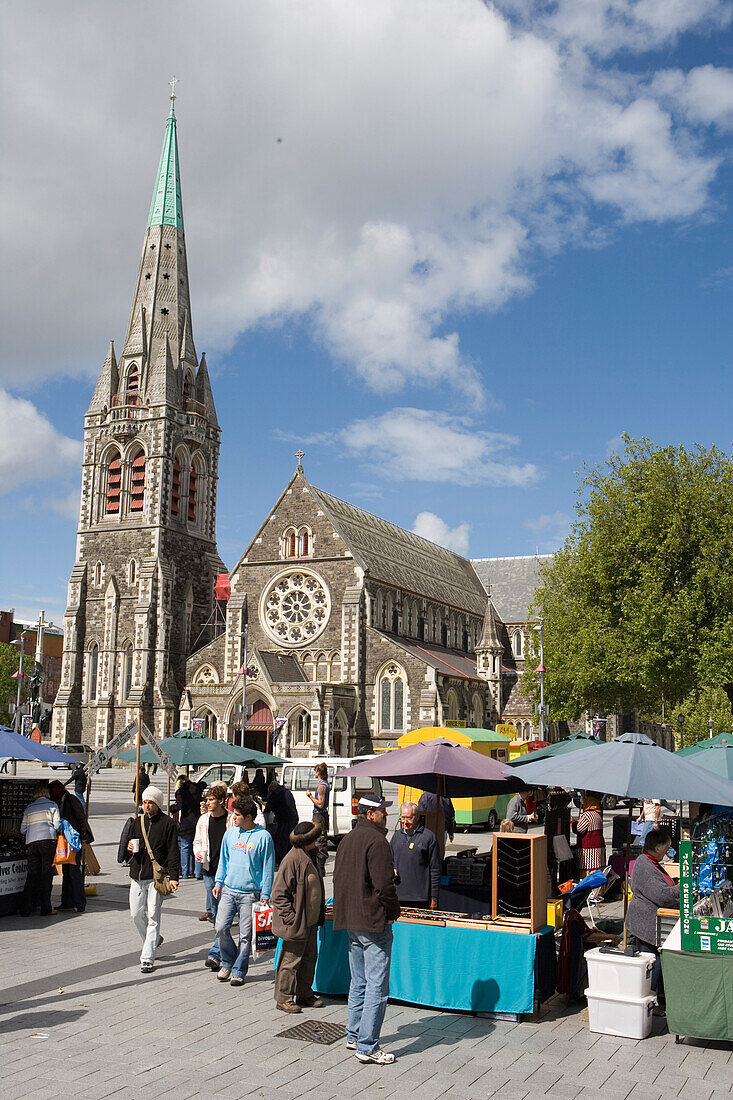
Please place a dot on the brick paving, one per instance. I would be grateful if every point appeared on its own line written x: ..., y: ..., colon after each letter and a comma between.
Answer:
x: 77, y: 1018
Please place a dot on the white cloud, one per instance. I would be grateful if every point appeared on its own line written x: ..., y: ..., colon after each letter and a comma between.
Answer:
x: 432, y: 527
x: 66, y: 504
x: 428, y: 148
x: 551, y: 529
x: 704, y: 95
x: 31, y: 449
x: 422, y: 445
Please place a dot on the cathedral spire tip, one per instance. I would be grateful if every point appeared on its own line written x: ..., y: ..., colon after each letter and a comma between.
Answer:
x: 173, y: 81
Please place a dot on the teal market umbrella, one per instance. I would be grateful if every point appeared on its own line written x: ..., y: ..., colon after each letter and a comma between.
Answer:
x: 718, y: 760
x: 188, y: 748
x: 569, y: 744
x: 708, y: 743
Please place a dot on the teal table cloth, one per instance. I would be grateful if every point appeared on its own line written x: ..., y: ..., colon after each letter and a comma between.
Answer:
x: 443, y: 967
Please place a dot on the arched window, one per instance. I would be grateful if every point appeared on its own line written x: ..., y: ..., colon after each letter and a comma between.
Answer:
x: 302, y: 729
x: 321, y: 667
x: 392, y: 699
x: 452, y: 706
x: 477, y: 711
x: 518, y: 644
x: 127, y: 671
x: 132, y: 389
x: 186, y: 385
x: 114, y: 485
x: 176, y: 487
x: 137, y: 483
x: 304, y: 543
x: 336, y: 668
x: 98, y: 574
x: 132, y: 571
x: 192, y: 489
x: 93, y: 669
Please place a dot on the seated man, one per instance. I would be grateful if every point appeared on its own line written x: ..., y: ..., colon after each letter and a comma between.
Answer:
x: 416, y: 861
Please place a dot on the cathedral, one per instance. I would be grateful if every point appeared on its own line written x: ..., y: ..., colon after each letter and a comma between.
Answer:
x: 348, y: 629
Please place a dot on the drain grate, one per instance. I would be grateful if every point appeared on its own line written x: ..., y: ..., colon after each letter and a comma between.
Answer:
x: 313, y: 1031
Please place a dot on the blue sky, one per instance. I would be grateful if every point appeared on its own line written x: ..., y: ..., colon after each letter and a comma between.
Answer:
x: 489, y: 241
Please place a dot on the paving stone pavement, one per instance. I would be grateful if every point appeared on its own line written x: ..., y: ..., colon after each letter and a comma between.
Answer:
x: 77, y: 1018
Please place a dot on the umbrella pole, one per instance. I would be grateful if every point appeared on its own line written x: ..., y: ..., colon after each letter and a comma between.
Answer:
x: 137, y: 760
x: 439, y: 816
x: 169, y: 792
x: 628, y: 857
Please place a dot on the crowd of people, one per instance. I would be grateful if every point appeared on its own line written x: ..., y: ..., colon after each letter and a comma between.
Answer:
x: 54, y: 812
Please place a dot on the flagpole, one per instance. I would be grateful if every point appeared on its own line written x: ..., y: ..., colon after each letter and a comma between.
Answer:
x: 137, y: 761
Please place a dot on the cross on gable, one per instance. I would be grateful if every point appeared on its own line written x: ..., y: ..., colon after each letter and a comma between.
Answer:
x: 300, y: 455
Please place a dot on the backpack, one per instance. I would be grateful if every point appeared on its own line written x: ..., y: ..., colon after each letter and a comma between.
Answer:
x: 123, y: 856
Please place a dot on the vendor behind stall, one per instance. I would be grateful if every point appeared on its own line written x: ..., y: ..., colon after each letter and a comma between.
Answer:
x: 652, y: 889
x: 416, y: 861
x: 591, y: 851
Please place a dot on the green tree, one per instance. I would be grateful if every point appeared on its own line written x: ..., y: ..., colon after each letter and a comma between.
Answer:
x: 700, y: 707
x: 638, y: 604
x: 9, y: 686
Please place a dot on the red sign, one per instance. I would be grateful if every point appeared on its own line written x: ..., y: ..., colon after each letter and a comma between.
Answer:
x: 223, y: 586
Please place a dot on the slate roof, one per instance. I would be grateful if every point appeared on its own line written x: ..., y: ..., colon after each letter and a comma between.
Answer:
x: 511, y: 582
x: 281, y: 668
x: 401, y: 558
x: 450, y: 662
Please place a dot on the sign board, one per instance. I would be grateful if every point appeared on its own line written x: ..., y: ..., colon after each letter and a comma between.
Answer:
x: 508, y: 730
x: 700, y: 933
x: 198, y: 725
x: 27, y: 725
x: 102, y: 757
x: 12, y: 876
x: 459, y: 724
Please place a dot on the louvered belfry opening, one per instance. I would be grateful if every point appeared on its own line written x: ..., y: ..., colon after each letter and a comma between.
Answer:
x: 137, y: 486
x: 114, y: 484
x: 192, y: 479
x: 176, y: 489
x: 133, y: 386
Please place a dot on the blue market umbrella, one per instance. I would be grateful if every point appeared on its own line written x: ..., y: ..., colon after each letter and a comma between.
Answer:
x: 632, y: 766
x: 13, y: 746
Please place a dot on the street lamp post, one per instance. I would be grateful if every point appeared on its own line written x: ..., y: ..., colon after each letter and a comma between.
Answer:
x: 681, y: 724
x: 20, y: 643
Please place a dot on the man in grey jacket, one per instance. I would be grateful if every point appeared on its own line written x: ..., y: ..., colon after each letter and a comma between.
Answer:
x: 416, y: 861
x: 516, y: 812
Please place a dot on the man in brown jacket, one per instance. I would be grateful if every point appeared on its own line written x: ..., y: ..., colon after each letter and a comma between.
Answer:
x: 364, y: 904
x: 297, y: 911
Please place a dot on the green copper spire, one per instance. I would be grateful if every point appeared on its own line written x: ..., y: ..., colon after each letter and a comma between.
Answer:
x: 166, y: 207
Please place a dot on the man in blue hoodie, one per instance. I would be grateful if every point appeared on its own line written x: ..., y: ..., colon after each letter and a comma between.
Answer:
x: 244, y: 876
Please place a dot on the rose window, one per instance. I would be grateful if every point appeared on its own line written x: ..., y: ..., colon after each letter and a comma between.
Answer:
x: 295, y: 608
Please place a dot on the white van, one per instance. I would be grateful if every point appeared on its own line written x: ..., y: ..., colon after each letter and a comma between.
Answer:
x: 298, y: 776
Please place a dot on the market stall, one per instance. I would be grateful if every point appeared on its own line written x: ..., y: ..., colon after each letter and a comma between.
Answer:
x: 699, y: 991
x: 445, y: 960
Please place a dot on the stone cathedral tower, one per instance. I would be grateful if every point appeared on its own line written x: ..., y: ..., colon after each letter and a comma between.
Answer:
x: 141, y: 590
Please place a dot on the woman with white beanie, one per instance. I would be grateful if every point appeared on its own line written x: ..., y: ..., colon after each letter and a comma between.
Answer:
x: 145, y: 901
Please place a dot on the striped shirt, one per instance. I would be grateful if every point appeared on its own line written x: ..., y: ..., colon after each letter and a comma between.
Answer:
x: 41, y: 821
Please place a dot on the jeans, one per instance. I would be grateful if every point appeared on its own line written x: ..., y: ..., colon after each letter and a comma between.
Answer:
x: 198, y: 868
x: 231, y: 903
x: 145, y: 907
x: 212, y: 906
x: 72, y: 885
x: 185, y: 847
x: 320, y: 817
x: 369, y: 959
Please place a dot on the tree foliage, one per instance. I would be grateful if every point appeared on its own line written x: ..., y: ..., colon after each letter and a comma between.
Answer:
x: 638, y: 604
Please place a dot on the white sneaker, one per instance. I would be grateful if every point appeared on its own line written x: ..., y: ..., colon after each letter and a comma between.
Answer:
x: 224, y: 974
x: 379, y: 1057
x: 350, y: 1045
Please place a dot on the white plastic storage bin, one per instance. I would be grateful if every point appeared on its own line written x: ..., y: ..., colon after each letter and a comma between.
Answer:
x: 620, y: 975
x: 630, y: 1017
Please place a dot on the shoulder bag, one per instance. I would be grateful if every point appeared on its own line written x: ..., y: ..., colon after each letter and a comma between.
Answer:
x: 161, y: 878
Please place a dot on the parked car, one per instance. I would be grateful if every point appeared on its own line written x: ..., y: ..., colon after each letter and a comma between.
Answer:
x: 297, y: 775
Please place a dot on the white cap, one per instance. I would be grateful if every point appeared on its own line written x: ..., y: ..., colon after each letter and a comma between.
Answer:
x: 374, y: 803
x: 153, y: 794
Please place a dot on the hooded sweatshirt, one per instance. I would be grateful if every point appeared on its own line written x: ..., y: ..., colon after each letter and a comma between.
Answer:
x: 247, y: 861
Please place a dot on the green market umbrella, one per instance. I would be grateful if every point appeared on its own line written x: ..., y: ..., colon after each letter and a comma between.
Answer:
x: 569, y: 744
x: 708, y: 743
x: 188, y: 749
x: 718, y: 760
